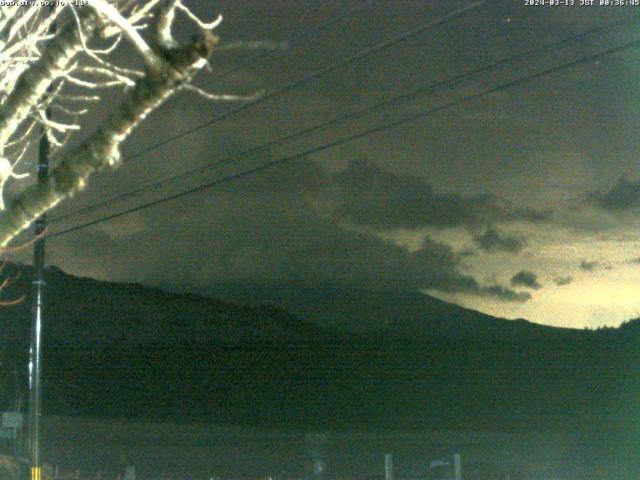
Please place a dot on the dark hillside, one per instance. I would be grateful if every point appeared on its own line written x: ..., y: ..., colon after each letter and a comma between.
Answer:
x: 134, y: 352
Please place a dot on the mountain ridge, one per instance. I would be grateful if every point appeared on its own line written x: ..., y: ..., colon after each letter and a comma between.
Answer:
x: 90, y: 311
x: 83, y: 310
x: 125, y: 350
x: 400, y: 314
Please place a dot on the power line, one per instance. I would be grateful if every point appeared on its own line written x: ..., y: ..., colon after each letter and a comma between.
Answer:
x: 316, y: 74
x: 313, y: 75
x: 447, y: 83
x: 299, y: 36
x: 335, y: 143
x: 295, y: 38
x: 292, y: 39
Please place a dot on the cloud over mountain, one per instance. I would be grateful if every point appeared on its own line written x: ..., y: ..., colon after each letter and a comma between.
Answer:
x: 525, y: 278
x: 561, y: 281
x: 590, y: 266
x: 507, y: 294
x: 492, y: 240
x: 624, y: 195
x: 379, y: 197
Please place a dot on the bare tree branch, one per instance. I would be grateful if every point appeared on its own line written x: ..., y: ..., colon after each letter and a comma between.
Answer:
x: 35, y: 81
x: 102, y: 148
x: 152, y: 61
x: 42, y: 76
x: 222, y: 97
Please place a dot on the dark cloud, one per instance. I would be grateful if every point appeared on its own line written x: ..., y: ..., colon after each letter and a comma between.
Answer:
x: 494, y: 241
x: 525, y: 278
x: 505, y: 293
x: 261, y: 238
x: 560, y: 281
x: 590, y: 266
x: 378, y: 197
x: 624, y: 195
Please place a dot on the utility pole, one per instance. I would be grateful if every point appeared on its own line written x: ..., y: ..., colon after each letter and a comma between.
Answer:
x: 35, y: 354
x: 37, y: 300
x: 388, y: 466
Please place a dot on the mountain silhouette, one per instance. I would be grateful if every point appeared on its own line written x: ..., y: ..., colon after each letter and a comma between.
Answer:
x: 399, y: 314
x: 316, y: 357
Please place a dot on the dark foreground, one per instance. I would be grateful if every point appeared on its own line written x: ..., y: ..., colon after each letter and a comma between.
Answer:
x: 181, y: 451
x: 552, y: 403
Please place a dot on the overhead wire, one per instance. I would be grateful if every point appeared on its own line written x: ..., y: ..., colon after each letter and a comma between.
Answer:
x: 349, y: 12
x: 460, y: 12
x: 403, y: 121
x: 362, y: 54
x: 447, y: 83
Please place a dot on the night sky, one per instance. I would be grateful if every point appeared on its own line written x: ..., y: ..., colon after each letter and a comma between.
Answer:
x: 521, y: 203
